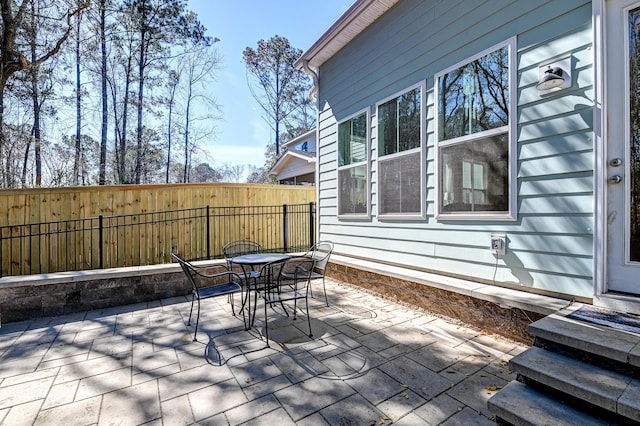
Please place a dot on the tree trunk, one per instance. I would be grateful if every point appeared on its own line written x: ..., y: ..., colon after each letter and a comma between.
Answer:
x: 36, y: 102
x: 102, y: 179
x: 123, y: 135
x: 25, y: 163
x: 170, y: 129
x: 141, y: 69
x: 78, y: 147
x: 187, y: 148
x: 3, y: 145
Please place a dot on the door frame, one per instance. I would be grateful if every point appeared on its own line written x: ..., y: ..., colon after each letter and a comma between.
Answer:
x: 601, y: 297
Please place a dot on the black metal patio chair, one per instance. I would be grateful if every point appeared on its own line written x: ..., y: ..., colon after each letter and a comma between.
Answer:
x: 205, y: 285
x: 289, y: 283
x: 320, y: 253
x: 240, y: 247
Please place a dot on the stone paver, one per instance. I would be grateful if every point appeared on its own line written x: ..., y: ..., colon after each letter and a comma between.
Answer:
x: 371, y: 361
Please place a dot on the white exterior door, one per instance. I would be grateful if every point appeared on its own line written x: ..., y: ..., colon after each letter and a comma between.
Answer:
x: 622, y: 141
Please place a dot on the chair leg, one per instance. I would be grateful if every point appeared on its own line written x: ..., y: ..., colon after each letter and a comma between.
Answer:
x: 195, y: 332
x: 324, y: 288
x: 233, y: 308
x: 308, y: 317
x: 287, y: 312
x: 266, y: 323
x: 295, y: 308
x: 193, y: 296
x: 255, y: 305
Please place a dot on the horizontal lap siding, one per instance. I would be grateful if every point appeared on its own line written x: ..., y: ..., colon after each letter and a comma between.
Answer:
x: 550, y: 244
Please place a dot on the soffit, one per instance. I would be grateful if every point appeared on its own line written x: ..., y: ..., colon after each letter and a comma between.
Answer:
x: 356, y: 19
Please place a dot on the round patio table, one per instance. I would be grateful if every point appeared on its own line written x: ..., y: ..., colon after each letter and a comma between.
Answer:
x: 257, y: 259
x: 249, y: 262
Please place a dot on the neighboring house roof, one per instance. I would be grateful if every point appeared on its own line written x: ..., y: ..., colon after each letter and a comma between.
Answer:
x: 298, y: 139
x: 356, y: 19
x: 294, y: 163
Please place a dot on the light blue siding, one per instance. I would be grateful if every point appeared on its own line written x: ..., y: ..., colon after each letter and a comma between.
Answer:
x: 550, y: 245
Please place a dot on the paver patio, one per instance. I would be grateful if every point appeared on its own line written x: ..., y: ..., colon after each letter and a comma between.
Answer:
x: 370, y: 362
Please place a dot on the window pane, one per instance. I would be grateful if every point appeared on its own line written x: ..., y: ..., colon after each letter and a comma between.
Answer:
x: 352, y: 140
x: 399, y: 123
x: 353, y: 190
x: 409, y: 120
x: 400, y: 185
x: 475, y: 175
x: 474, y: 97
x: 387, y: 128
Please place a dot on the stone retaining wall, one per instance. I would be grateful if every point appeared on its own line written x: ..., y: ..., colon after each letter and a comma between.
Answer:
x: 29, y: 297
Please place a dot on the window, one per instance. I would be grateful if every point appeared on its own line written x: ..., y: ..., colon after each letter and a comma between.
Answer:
x: 353, y: 166
x: 400, y: 165
x: 474, y: 136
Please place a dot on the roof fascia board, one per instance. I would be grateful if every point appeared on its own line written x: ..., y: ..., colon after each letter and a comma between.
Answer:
x: 353, y: 21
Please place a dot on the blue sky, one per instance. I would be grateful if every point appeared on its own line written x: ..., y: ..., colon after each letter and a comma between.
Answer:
x: 242, y: 134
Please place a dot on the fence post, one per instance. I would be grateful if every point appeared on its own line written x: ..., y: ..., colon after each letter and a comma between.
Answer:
x: 312, y: 233
x: 285, y: 227
x: 208, y: 236
x: 100, y: 241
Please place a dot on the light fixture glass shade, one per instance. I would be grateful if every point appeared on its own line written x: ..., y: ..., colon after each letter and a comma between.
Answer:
x: 553, y: 77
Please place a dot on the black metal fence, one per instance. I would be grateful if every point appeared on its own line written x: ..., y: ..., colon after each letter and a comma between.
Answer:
x: 149, y: 238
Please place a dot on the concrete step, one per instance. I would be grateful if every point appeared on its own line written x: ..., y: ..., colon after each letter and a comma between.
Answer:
x: 614, y: 392
x: 520, y: 404
x: 601, y: 341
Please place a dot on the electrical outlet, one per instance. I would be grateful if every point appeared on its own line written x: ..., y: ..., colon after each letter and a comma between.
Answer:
x: 498, y: 244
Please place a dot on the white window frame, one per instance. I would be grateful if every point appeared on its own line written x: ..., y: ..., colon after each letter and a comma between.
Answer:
x: 511, y: 214
x: 366, y: 163
x: 423, y: 181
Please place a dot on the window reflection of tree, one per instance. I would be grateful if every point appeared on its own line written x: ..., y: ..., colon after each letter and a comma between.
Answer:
x: 489, y: 97
x: 399, y: 121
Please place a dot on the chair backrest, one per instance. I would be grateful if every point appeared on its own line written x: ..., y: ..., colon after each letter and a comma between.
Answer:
x: 321, y: 251
x: 296, y: 272
x: 188, y: 270
x: 240, y: 247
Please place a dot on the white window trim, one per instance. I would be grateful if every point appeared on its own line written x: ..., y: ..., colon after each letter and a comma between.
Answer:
x: 367, y: 163
x: 423, y: 178
x: 511, y: 214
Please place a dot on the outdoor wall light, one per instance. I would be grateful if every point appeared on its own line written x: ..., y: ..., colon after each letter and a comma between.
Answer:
x: 554, y: 76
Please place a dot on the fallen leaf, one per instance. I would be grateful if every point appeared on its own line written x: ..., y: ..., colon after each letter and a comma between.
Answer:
x: 493, y: 388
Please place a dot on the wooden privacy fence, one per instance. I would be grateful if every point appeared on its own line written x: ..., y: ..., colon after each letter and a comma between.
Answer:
x: 148, y: 235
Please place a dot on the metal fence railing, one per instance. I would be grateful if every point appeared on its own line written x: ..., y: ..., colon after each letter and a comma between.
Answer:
x: 149, y: 238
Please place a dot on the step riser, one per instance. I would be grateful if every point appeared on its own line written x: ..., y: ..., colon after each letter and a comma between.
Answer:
x: 600, y: 341
x: 519, y: 404
x: 574, y: 365
x: 597, y: 386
